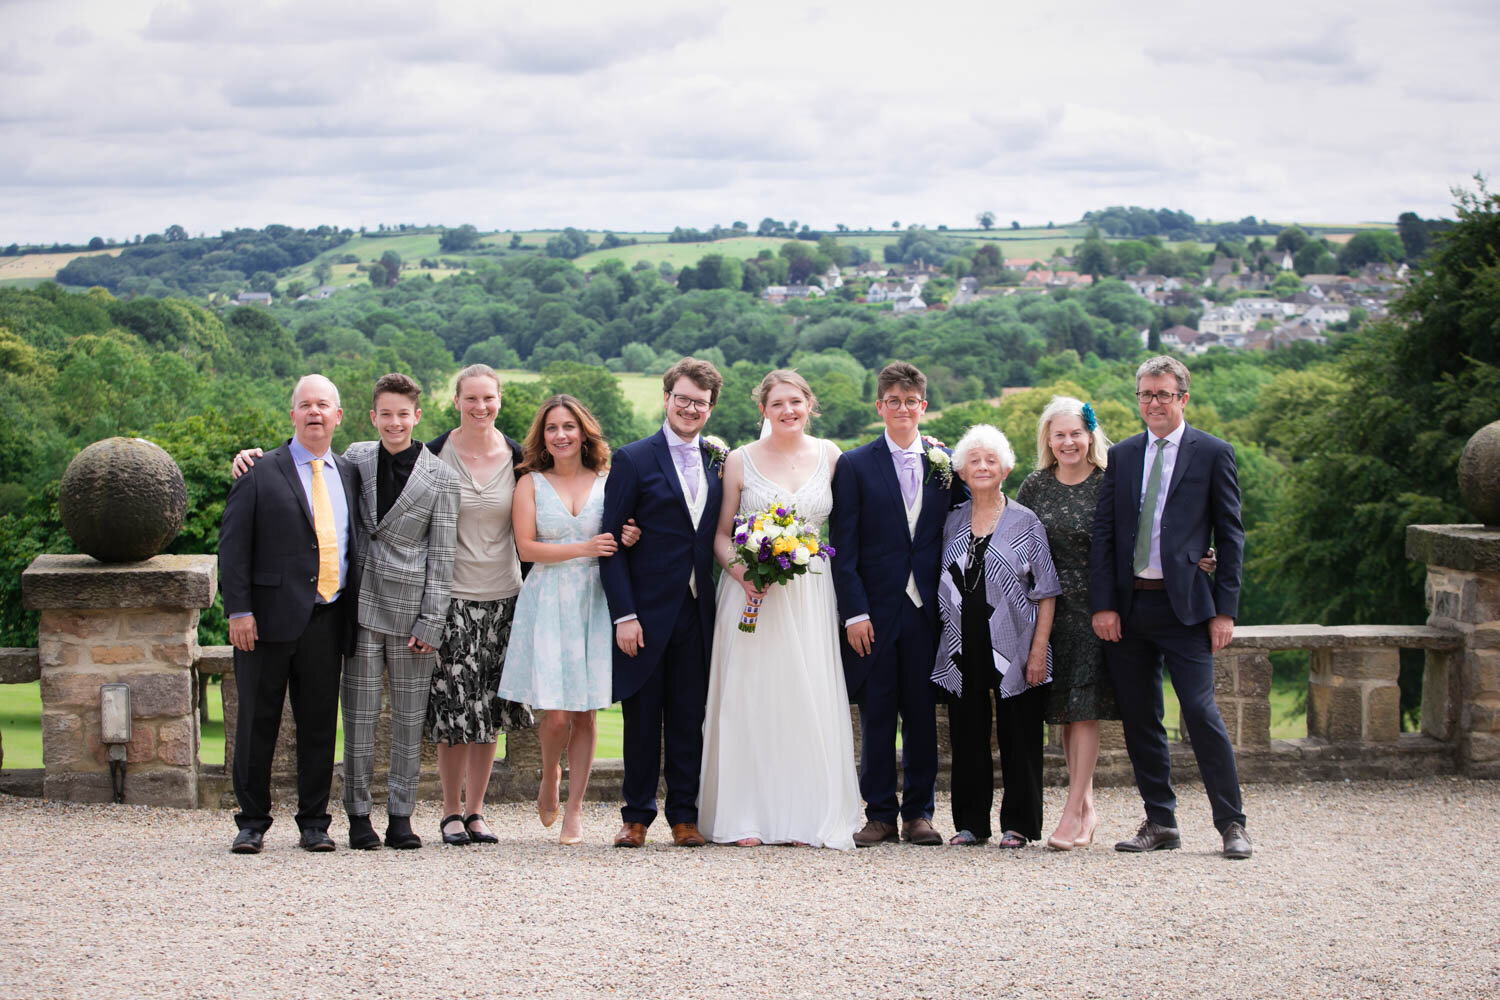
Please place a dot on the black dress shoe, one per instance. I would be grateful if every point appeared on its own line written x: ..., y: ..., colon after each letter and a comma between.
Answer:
x: 459, y: 839
x: 247, y: 842
x: 1151, y: 837
x: 477, y: 836
x: 362, y: 836
x: 398, y: 834
x: 316, y: 841
x: 1236, y: 842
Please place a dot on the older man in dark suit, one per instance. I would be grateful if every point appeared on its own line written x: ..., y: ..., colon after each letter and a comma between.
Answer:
x: 289, y: 568
x: 1168, y: 495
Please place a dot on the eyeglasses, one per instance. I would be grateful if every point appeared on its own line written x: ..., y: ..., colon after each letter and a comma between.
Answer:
x: 1147, y: 398
x: 892, y: 403
x: 689, y: 403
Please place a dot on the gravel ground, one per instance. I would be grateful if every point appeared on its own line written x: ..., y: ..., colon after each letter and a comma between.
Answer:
x: 1356, y: 890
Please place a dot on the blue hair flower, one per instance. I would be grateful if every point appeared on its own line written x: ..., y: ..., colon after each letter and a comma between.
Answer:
x: 1089, y: 420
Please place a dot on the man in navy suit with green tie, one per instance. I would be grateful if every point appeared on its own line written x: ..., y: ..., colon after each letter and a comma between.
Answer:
x: 1169, y: 494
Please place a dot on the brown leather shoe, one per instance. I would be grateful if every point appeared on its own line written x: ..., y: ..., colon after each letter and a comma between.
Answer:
x: 1151, y: 837
x: 921, y: 832
x: 876, y: 832
x: 687, y: 835
x: 631, y: 835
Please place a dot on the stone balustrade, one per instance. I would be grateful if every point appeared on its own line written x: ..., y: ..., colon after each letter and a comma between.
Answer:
x: 137, y: 623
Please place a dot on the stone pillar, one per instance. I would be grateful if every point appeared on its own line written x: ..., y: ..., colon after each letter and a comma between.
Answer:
x: 1242, y: 688
x: 131, y: 623
x: 1461, y: 690
x: 1353, y: 696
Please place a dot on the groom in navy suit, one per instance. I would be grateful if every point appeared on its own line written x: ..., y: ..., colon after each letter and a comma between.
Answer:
x: 887, y: 531
x: 661, y: 600
x: 1158, y: 514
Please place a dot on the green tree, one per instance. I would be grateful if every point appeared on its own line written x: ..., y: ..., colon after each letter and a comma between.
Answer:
x: 1092, y: 256
x: 1291, y: 239
x: 465, y: 237
x: 1381, y: 451
x: 986, y: 219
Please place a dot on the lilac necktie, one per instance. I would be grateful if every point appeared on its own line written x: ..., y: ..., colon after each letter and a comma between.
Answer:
x: 683, y: 455
x: 909, y: 477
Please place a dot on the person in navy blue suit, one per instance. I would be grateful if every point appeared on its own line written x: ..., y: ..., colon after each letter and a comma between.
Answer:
x: 661, y: 601
x: 889, y: 505
x: 1158, y: 514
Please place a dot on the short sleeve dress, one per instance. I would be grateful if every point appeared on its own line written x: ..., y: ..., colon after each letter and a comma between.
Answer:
x: 1081, y: 690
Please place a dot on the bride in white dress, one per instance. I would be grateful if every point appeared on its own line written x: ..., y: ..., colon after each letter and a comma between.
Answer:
x: 778, y: 747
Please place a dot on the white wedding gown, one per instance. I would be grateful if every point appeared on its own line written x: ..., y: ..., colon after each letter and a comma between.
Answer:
x: 778, y: 747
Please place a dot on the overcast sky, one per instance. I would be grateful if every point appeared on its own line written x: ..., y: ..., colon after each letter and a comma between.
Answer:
x: 120, y: 117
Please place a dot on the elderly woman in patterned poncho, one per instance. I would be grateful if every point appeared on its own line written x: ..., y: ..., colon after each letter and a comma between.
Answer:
x: 995, y: 598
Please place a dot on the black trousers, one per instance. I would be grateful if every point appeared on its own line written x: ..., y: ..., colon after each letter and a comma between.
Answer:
x: 1018, y: 731
x: 1153, y: 635
x: 668, y: 708
x: 307, y: 669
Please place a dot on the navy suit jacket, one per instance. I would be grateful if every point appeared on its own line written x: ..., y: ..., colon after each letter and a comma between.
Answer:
x: 874, y: 556
x: 268, y: 551
x: 1202, y: 510
x: 650, y: 579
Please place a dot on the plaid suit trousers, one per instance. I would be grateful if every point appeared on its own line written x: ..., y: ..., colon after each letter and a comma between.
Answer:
x: 411, y: 678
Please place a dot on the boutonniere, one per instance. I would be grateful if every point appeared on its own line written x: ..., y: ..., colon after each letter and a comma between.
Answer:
x: 940, y: 464
x: 718, y: 452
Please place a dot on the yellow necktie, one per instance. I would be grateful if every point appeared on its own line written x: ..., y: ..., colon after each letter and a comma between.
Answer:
x: 328, y: 542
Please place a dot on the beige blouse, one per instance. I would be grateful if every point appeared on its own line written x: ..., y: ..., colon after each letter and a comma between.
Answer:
x: 485, y: 566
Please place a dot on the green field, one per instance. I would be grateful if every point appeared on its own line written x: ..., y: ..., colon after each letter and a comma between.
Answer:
x: 21, y: 726
x: 681, y: 254
x: 21, y: 723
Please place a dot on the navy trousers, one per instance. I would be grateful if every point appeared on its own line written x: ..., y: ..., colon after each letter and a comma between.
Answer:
x: 668, y: 709
x: 899, y: 687
x: 1152, y: 635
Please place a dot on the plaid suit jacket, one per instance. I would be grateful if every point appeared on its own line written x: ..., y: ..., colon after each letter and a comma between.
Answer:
x: 407, y: 564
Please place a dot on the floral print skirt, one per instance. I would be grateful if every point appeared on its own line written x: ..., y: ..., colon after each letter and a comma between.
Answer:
x: 463, y: 707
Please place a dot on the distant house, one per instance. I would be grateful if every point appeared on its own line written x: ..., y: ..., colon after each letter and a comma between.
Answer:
x: 870, y: 269
x: 909, y: 303
x: 1324, y: 313
x: 1226, y: 321
x: 253, y: 299
x: 778, y: 295
x: 1023, y: 263
x: 1181, y: 338
x: 833, y: 279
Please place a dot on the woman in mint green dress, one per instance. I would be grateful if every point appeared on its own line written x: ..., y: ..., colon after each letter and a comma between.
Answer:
x: 561, y: 659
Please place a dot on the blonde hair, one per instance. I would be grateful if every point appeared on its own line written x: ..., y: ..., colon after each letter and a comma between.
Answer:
x: 786, y: 376
x: 475, y: 371
x: 1066, y: 406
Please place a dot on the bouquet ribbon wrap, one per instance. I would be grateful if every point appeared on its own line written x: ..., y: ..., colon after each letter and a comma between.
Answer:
x: 750, y: 614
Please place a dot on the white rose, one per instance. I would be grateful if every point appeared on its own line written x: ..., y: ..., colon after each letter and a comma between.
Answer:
x: 756, y: 537
x: 801, y: 556
x: 773, y: 531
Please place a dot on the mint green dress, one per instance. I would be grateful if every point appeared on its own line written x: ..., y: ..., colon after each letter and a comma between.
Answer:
x: 562, y: 644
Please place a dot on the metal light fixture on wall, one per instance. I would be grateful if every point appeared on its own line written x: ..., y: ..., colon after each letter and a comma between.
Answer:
x: 114, y: 731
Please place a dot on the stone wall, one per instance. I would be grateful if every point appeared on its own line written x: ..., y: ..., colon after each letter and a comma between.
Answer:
x: 1461, y: 691
x: 135, y: 624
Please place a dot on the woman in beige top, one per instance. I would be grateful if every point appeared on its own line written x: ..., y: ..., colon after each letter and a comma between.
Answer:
x: 464, y: 717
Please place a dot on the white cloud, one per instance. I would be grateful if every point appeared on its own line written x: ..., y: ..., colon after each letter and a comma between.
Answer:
x: 123, y: 115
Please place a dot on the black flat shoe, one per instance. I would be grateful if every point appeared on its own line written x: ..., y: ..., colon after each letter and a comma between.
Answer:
x: 475, y: 835
x: 247, y: 842
x: 398, y: 834
x: 453, y: 839
x: 362, y: 836
x: 316, y: 841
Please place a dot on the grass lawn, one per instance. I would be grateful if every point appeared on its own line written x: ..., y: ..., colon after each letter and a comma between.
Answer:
x: 21, y: 723
x: 680, y: 254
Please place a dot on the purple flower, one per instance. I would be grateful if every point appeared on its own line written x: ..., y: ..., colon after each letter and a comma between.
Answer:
x: 826, y: 551
x: 781, y: 512
x: 741, y: 538
x: 783, y: 562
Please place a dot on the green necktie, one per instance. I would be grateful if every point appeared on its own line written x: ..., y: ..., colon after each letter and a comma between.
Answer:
x: 1148, y: 512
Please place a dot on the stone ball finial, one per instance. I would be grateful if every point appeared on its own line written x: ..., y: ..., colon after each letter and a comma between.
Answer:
x: 1479, y: 474
x: 122, y: 499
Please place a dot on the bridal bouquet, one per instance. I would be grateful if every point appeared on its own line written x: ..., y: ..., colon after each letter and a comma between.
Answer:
x: 774, y: 546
